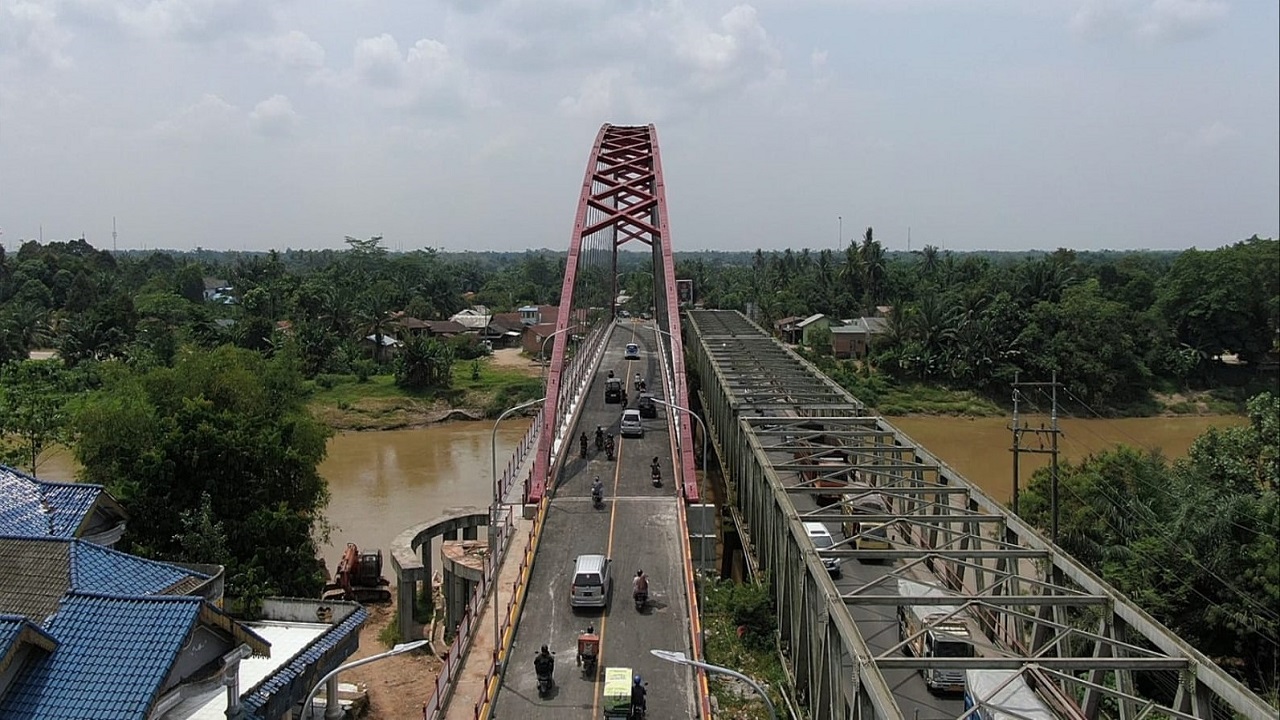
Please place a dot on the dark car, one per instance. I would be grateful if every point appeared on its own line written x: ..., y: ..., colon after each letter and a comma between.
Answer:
x: 613, y: 390
x: 648, y: 408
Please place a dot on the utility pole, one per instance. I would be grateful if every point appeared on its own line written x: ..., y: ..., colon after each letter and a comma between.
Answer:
x: 1052, y: 432
x: 1017, y: 440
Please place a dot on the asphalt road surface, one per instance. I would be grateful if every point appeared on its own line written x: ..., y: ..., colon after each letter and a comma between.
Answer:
x: 879, y: 627
x: 638, y: 528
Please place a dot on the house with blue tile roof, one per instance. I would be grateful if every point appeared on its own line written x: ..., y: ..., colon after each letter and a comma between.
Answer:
x: 90, y: 632
x: 35, y: 508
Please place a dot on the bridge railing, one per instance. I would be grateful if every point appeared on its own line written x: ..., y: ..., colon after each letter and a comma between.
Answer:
x: 465, y: 631
x: 578, y: 375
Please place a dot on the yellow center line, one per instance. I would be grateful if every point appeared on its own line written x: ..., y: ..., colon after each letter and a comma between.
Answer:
x: 608, y: 553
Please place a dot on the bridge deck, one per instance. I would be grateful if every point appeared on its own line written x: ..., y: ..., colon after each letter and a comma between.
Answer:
x: 640, y: 527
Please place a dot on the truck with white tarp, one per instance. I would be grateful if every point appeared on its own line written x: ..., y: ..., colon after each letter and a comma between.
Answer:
x: 1003, y: 695
x: 934, y: 631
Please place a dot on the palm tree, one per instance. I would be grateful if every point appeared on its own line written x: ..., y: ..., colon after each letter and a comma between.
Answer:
x: 874, y: 268
x: 929, y: 260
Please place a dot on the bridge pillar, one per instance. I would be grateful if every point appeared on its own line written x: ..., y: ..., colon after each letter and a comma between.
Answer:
x: 463, y: 569
x: 427, y: 574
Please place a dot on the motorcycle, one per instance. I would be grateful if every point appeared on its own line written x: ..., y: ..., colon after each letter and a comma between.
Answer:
x: 641, y: 598
x: 597, y: 498
x: 546, y: 679
x: 608, y: 447
x: 656, y: 474
x: 599, y: 439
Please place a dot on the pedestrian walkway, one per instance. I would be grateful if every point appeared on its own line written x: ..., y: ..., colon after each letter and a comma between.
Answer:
x: 469, y: 685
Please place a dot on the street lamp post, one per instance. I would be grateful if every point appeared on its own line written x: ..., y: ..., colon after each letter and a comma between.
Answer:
x: 546, y: 360
x: 493, y: 521
x: 398, y: 649
x: 677, y: 657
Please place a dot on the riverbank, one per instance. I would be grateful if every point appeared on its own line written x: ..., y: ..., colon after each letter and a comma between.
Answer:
x: 886, y: 397
x: 481, y: 389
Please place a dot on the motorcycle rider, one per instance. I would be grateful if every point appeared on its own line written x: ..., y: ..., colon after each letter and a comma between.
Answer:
x: 654, y: 469
x: 599, y: 437
x: 583, y: 442
x: 640, y: 585
x: 543, y: 664
x: 597, y: 491
x: 637, y: 696
x: 608, y: 445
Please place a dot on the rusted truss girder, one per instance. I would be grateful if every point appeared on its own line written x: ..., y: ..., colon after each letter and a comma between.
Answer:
x: 942, y: 527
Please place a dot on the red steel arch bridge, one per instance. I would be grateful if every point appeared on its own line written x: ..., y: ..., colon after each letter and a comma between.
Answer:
x: 867, y: 593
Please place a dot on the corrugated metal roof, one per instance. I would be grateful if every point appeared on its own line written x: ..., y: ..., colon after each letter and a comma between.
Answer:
x: 39, y: 571
x: 36, y: 508
x: 36, y: 575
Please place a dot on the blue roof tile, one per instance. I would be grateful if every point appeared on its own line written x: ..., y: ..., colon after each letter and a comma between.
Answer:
x: 257, y: 697
x: 35, y: 508
x: 100, y: 570
x: 113, y: 655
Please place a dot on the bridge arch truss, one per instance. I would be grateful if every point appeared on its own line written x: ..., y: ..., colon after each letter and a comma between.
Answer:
x: 622, y: 201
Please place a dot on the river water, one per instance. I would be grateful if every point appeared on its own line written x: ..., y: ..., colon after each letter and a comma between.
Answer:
x: 979, y: 448
x: 383, y: 482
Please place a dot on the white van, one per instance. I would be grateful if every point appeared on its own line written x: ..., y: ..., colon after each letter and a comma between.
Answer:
x: 822, y: 540
x: 632, y: 352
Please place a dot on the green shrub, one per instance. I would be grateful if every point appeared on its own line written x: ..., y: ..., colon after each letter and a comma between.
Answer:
x: 364, y: 369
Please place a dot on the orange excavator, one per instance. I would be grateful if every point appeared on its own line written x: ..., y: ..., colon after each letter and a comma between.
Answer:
x: 359, y: 578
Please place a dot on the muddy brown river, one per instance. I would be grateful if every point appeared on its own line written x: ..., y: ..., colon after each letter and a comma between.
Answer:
x: 383, y: 482
x: 979, y: 447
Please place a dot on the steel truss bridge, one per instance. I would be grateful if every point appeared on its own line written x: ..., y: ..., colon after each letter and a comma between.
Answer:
x: 788, y: 438
x: 787, y: 435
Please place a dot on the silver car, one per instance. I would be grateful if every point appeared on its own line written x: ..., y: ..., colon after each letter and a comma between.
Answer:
x: 591, y: 581
x: 631, y: 425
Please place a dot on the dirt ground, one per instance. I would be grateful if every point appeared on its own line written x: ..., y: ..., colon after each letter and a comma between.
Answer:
x: 398, y: 686
x: 511, y: 357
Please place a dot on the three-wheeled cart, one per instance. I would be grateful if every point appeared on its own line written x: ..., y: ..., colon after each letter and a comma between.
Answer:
x: 617, y: 693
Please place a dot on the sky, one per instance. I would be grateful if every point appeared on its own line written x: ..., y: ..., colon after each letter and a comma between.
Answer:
x: 466, y: 124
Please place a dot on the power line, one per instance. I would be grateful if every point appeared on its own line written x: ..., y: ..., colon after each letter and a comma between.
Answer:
x: 1159, y: 530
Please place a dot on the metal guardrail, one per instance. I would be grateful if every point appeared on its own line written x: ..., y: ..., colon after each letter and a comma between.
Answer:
x: 769, y: 409
x: 457, y: 651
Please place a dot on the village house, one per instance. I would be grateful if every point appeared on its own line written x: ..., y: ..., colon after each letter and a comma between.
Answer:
x: 855, y: 338
x: 88, y: 631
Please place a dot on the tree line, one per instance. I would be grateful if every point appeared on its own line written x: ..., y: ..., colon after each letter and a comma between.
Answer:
x: 1113, y: 326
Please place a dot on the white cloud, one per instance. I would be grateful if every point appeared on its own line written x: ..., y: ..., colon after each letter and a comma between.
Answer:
x: 1181, y: 19
x: 428, y: 76
x: 733, y: 52
x: 293, y: 49
x: 30, y: 33
x: 274, y: 117
x: 613, y: 94
x: 1151, y: 20
x: 1207, y: 137
x: 377, y: 61
x: 209, y: 119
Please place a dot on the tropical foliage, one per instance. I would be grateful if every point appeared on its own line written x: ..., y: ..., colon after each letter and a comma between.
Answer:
x: 215, y: 458
x: 1195, y: 542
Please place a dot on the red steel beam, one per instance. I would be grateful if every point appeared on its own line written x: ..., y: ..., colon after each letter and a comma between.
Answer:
x: 622, y: 183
